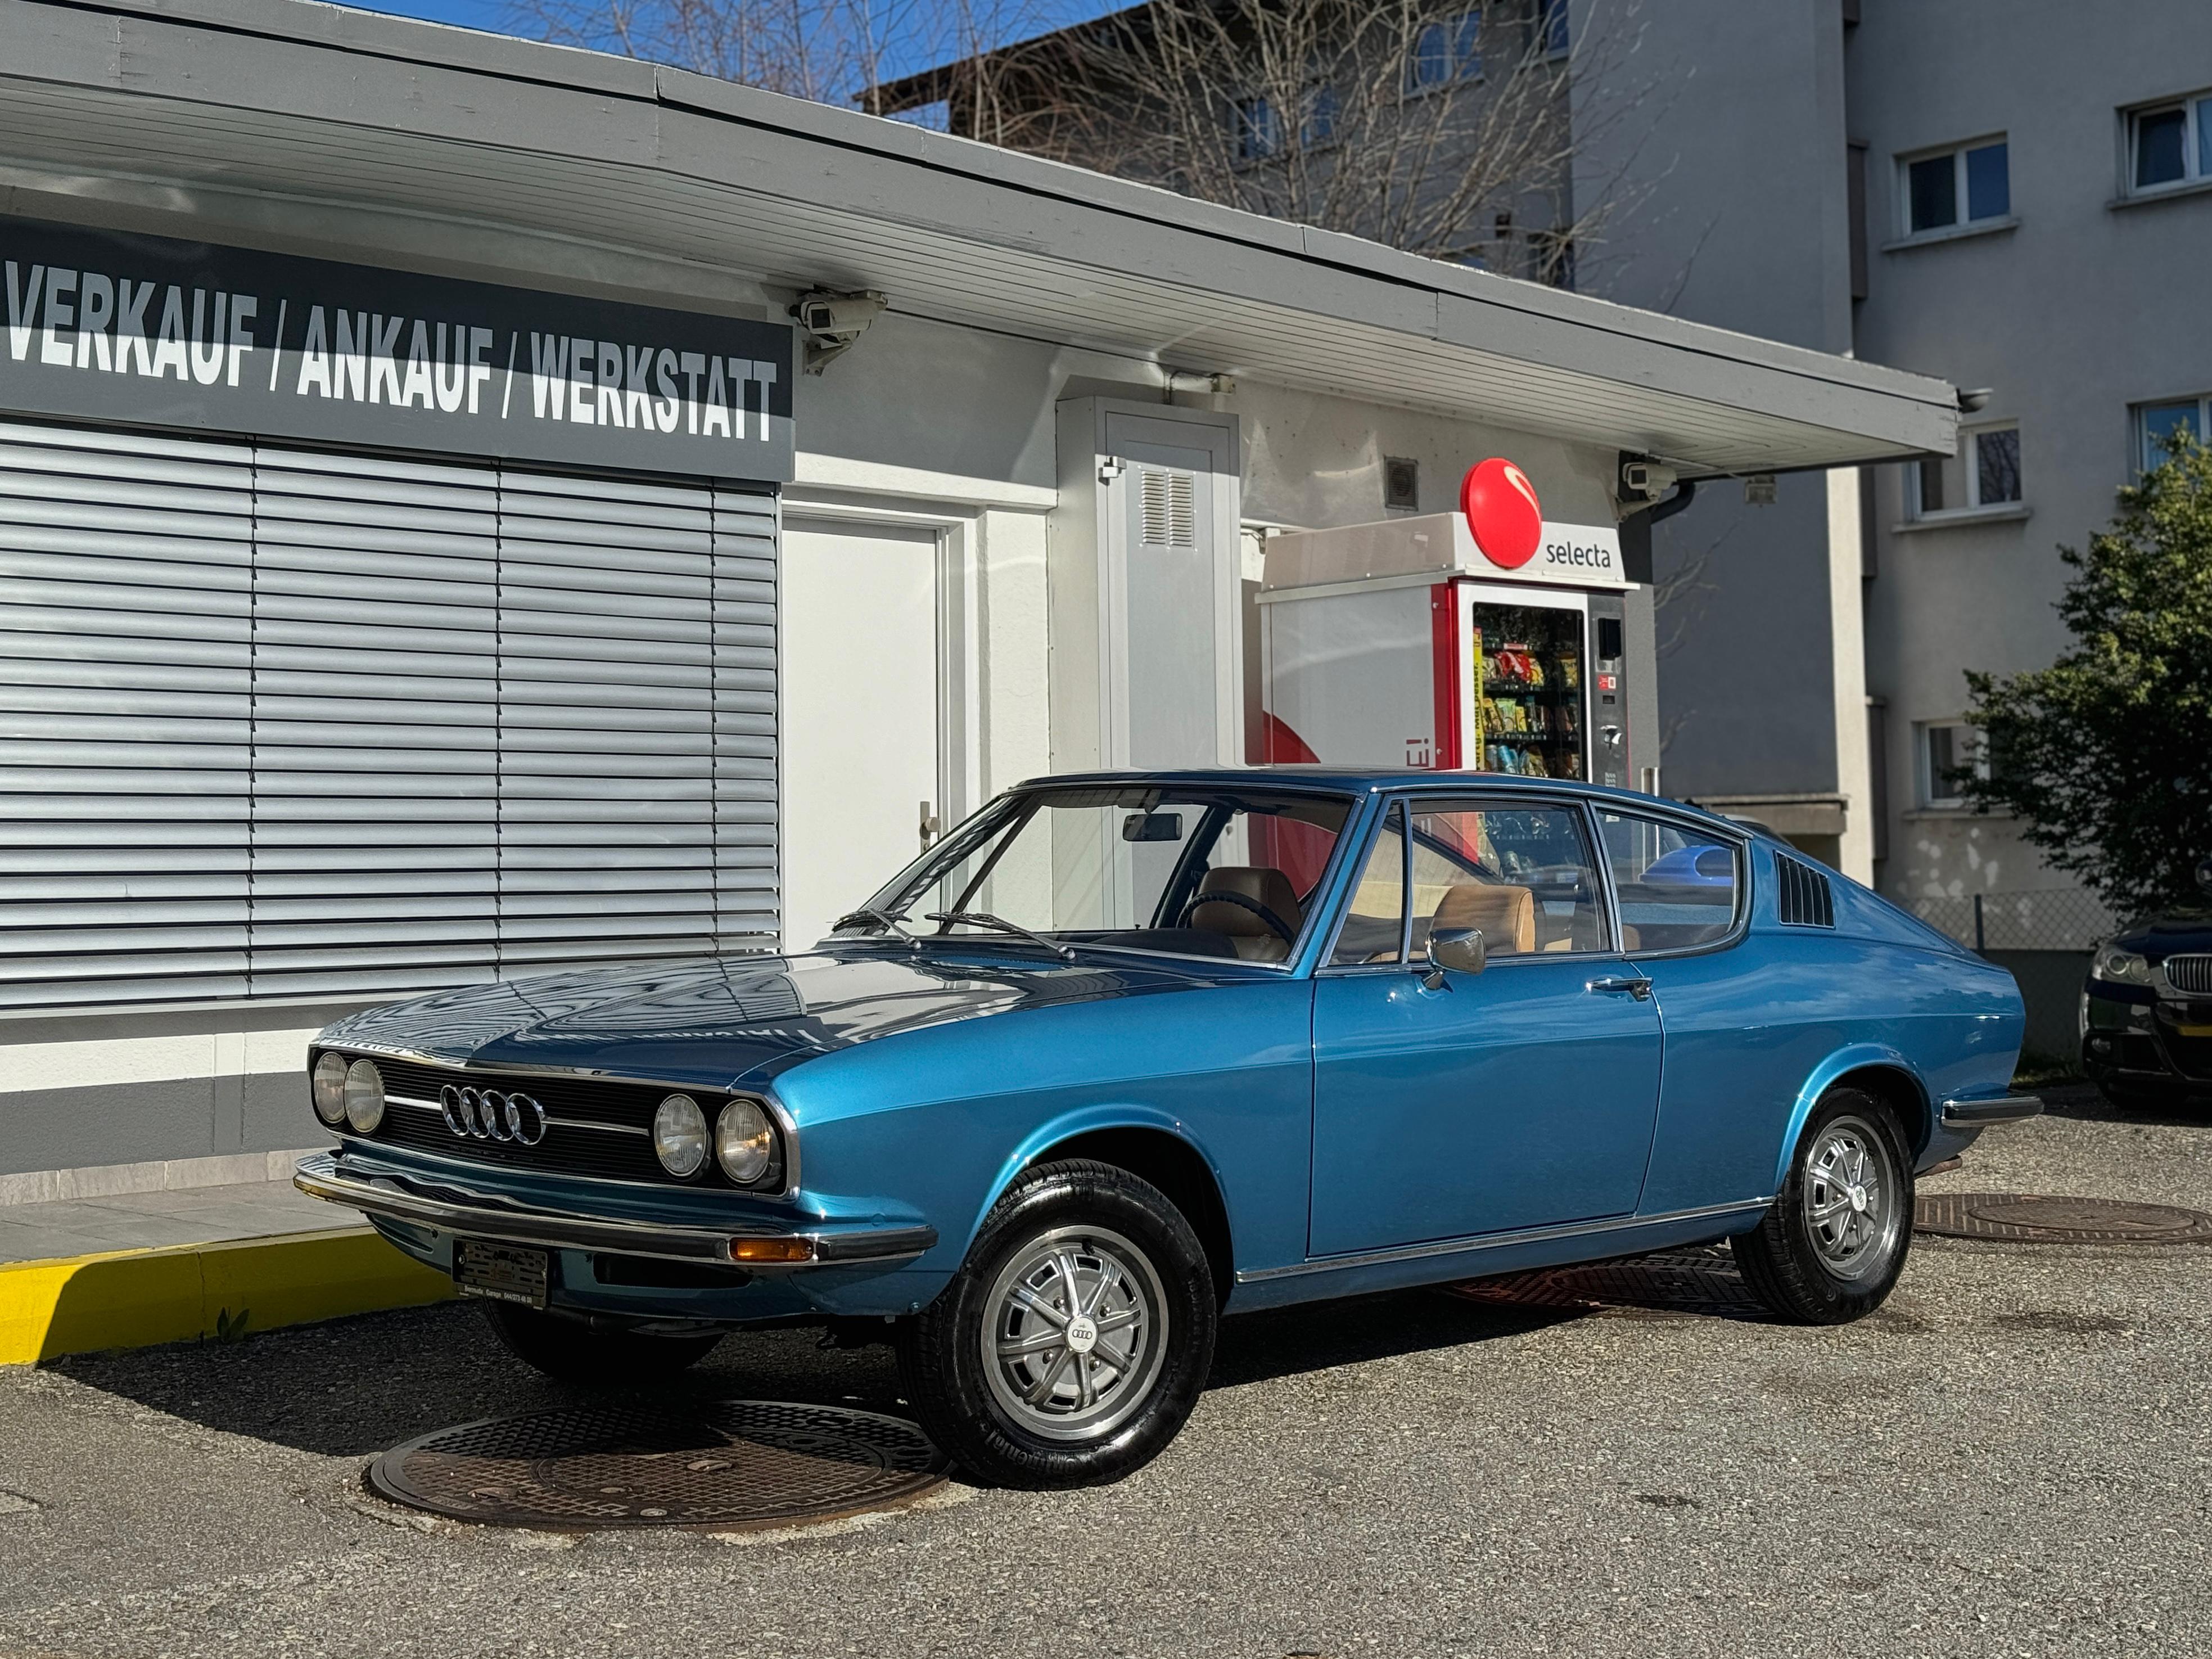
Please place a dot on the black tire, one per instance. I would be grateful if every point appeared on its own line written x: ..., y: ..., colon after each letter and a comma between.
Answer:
x: 572, y: 1351
x: 1807, y: 1270
x: 1147, y: 1272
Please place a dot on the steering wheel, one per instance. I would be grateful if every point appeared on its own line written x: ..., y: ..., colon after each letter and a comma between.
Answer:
x: 1280, y: 928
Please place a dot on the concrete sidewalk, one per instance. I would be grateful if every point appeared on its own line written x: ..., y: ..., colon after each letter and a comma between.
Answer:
x: 140, y: 1268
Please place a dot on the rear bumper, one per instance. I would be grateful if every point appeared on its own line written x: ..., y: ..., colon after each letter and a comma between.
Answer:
x: 1981, y: 1113
x: 450, y: 1209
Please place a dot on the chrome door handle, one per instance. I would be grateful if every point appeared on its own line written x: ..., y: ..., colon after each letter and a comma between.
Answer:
x: 1639, y: 987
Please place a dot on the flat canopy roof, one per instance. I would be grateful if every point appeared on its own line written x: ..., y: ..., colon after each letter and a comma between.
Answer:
x: 318, y: 103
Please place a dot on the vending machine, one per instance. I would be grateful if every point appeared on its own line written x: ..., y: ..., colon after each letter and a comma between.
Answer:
x: 1407, y: 643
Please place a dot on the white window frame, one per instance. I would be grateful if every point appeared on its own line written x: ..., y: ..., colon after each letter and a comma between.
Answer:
x: 1965, y: 221
x: 1969, y: 460
x: 1928, y: 786
x: 2195, y: 109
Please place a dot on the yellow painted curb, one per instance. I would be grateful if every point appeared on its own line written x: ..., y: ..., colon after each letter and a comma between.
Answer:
x: 134, y: 1298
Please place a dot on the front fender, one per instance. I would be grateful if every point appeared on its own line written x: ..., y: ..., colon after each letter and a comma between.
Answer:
x: 1856, y: 1057
x: 1089, y: 1119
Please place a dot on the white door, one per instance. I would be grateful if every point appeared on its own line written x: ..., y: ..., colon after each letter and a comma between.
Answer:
x: 860, y: 713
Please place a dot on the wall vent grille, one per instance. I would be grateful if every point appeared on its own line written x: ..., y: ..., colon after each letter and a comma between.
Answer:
x: 1803, y: 897
x: 1170, y: 503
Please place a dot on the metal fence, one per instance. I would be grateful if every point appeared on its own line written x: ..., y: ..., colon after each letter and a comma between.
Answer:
x: 2066, y: 919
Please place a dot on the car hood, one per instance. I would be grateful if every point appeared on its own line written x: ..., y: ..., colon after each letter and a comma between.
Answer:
x: 2181, y: 934
x: 715, y: 1023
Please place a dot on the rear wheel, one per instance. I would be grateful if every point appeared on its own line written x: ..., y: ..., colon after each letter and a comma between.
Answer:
x: 1830, y: 1247
x: 1072, y: 1344
x: 573, y: 1351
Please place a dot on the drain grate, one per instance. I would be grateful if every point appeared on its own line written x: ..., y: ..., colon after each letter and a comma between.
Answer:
x: 2027, y: 1219
x: 1703, y: 1281
x: 722, y: 1465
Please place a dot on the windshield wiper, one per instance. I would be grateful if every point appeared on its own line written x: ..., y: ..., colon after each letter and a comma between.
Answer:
x: 868, y: 912
x: 985, y: 919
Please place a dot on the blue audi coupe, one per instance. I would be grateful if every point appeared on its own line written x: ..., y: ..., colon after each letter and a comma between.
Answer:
x: 1125, y: 1053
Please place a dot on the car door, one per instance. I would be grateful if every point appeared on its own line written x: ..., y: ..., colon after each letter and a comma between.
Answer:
x: 1451, y: 1105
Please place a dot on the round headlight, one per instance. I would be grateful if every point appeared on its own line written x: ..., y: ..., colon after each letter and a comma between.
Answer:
x: 745, y: 1141
x: 330, y: 1089
x: 2120, y: 967
x: 679, y: 1135
x: 364, y: 1096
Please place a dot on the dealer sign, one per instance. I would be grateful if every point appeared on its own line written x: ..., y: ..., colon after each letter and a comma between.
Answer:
x: 151, y: 331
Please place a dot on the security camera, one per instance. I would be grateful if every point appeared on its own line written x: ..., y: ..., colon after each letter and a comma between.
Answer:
x: 1647, y: 478
x: 832, y: 321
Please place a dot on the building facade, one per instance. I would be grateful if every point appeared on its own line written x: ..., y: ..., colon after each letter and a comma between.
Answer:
x: 2018, y: 211
x: 431, y: 557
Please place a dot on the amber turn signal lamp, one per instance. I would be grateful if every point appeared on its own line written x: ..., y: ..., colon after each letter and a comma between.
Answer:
x: 771, y: 1250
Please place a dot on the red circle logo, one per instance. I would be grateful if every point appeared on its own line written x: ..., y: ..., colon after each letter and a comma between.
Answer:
x: 1500, y: 504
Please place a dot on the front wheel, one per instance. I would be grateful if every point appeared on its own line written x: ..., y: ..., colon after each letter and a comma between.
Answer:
x: 1072, y: 1344
x: 571, y: 1351
x: 1830, y: 1247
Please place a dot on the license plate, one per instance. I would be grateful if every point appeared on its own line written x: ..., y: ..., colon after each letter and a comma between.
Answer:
x: 2194, y: 1031
x: 505, y: 1273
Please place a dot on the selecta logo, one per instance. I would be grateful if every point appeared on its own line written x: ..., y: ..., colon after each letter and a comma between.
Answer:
x: 1501, y: 509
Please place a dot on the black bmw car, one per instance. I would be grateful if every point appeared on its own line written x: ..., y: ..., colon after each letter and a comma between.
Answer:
x: 2147, y: 1007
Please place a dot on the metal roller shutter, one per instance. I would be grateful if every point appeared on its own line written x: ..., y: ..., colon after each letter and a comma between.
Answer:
x: 288, y: 724
x: 376, y: 685
x: 125, y: 664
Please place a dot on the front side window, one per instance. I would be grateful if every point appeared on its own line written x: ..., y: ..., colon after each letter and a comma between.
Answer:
x: 1374, y: 919
x: 1950, y: 750
x: 1197, y: 872
x: 2170, y: 144
x: 2157, y: 425
x: 1678, y: 889
x: 1523, y: 875
x: 1982, y: 474
x: 1969, y: 184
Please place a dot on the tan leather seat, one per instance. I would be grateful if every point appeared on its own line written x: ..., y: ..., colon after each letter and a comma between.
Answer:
x: 1251, y: 937
x: 1506, y: 916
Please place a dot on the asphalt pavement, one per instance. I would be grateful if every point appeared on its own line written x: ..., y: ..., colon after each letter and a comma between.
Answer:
x: 2014, y: 1457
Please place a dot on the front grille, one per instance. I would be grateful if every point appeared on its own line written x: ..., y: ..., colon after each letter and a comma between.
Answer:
x: 2190, y: 974
x: 593, y: 1127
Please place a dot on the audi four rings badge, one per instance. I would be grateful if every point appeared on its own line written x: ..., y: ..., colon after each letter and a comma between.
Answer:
x: 492, y: 1114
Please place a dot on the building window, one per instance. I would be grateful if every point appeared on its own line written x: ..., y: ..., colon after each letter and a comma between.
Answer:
x: 2170, y: 144
x: 1985, y: 474
x: 1317, y: 127
x: 2157, y: 424
x: 1971, y: 185
x: 1445, y: 51
x: 1259, y: 130
x: 1950, y: 750
x: 1552, y: 26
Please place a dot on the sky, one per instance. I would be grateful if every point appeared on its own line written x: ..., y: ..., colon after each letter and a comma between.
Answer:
x: 496, y: 15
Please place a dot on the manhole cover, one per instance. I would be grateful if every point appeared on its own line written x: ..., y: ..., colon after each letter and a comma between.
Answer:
x: 2026, y: 1219
x: 1671, y: 1281
x: 723, y: 1466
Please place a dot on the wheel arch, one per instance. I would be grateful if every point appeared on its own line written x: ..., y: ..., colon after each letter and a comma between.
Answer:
x: 1155, y: 1149
x: 1881, y: 1071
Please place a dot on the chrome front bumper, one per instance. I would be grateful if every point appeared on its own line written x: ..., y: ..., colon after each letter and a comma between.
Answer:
x: 1981, y: 1113
x: 450, y: 1209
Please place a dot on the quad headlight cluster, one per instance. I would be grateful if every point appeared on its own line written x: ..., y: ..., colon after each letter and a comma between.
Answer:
x: 350, y: 1094
x: 742, y: 1140
x: 2119, y: 967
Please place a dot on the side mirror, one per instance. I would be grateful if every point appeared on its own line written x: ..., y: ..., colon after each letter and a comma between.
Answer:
x: 1459, y: 950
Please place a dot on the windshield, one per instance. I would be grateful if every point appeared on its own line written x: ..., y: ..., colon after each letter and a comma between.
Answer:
x: 1202, y: 871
